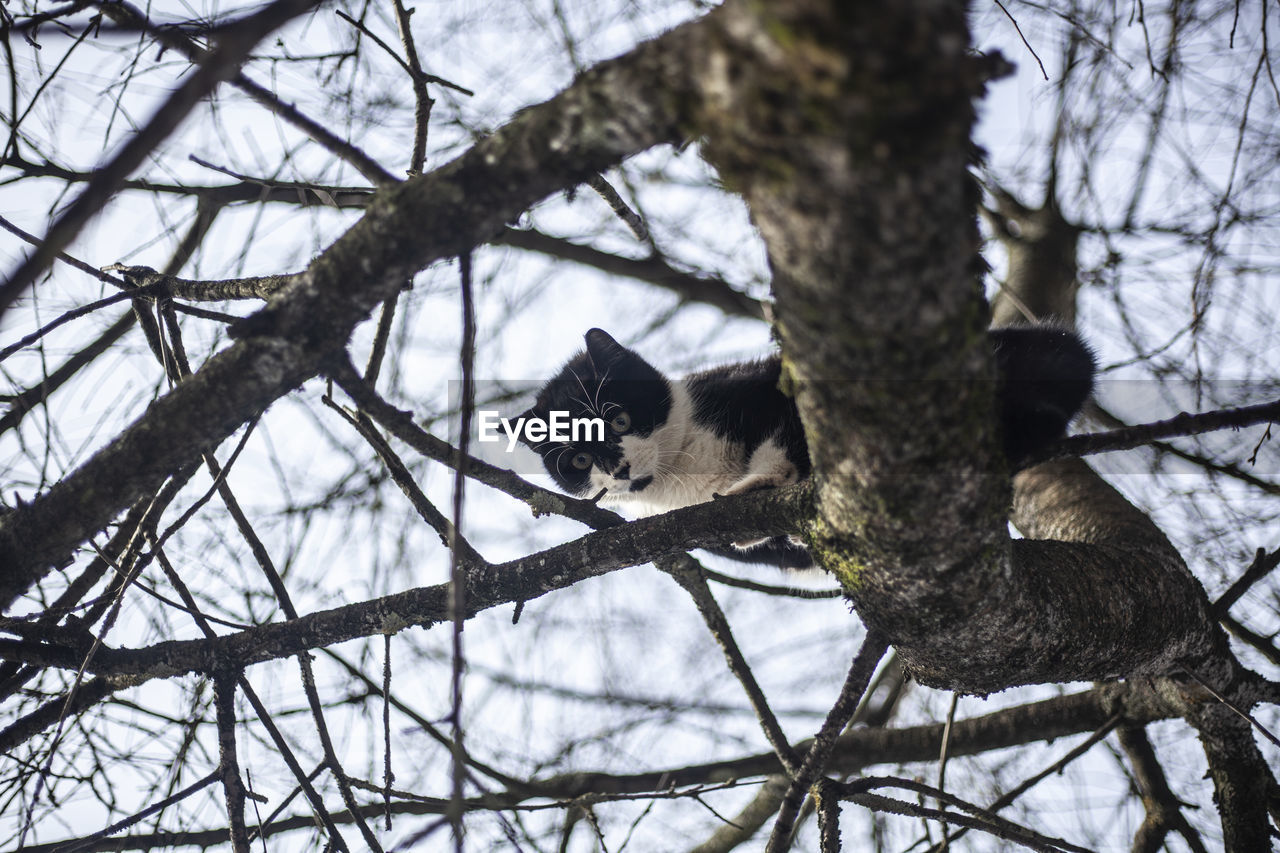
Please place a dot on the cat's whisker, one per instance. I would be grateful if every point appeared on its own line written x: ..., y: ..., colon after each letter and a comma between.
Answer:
x: 600, y: 386
x: 585, y: 404
x: 674, y: 473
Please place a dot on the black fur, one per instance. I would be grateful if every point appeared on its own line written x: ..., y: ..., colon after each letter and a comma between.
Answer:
x: 603, y: 376
x: 1045, y: 376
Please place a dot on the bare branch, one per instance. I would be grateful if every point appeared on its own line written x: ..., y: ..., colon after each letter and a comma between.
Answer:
x: 234, y: 42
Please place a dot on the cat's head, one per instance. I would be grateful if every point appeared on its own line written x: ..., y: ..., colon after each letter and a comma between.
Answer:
x: 630, y: 399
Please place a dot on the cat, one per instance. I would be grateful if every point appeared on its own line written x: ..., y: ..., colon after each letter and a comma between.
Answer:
x: 729, y: 430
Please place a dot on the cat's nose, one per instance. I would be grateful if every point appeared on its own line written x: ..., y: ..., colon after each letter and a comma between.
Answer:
x: 623, y: 473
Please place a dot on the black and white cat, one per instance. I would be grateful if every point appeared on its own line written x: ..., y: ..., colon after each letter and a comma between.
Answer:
x: 728, y: 430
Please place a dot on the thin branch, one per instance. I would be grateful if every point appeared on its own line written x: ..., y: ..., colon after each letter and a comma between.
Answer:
x: 687, y: 572
x: 250, y: 189
x: 234, y: 43
x: 1025, y: 43
x: 1164, y: 811
x: 654, y: 270
x: 128, y: 15
x: 67, y: 317
x: 224, y: 692
x: 1018, y: 790
x: 401, y: 476
x: 1263, y: 564
x: 861, y: 669
x: 620, y: 207
x: 457, y: 572
x: 856, y: 791
x: 88, y: 841
x: 1180, y: 425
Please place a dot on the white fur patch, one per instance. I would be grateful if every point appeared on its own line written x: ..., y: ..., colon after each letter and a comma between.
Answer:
x: 688, y: 463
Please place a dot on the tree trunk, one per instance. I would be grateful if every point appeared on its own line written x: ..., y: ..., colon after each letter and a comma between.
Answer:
x: 848, y: 134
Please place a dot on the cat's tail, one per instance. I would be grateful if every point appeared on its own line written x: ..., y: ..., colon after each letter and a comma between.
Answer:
x: 1046, y: 375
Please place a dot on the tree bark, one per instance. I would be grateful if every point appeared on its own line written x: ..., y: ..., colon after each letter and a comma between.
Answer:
x: 847, y: 130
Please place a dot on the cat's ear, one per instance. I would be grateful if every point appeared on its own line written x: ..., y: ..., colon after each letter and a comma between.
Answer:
x: 603, y: 350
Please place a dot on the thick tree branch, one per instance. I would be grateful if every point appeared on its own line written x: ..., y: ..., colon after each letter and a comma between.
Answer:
x: 763, y: 513
x: 912, y: 494
x: 608, y: 114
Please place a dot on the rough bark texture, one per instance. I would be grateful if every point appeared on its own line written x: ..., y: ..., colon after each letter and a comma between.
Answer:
x: 847, y: 132
x: 524, y: 579
x: 846, y: 127
x: 1150, y: 614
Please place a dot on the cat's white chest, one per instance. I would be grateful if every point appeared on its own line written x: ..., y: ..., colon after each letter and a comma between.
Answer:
x: 689, y: 463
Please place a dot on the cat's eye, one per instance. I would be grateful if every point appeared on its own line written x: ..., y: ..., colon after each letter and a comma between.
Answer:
x: 621, y: 422
x: 582, y: 461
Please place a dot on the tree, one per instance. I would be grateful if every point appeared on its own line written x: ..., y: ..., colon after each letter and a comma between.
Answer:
x: 166, y: 652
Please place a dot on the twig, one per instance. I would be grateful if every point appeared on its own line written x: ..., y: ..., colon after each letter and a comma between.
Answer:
x: 400, y: 475
x: 457, y: 577
x: 815, y: 761
x: 1242, y: 713
x: 387, y: 776
x: 67, y: 317
x: 123, y: 12
x: 1014, y: 21
x: 407, y: 66
x: 857, y: 791
x: 686, y: 571
x: 1263, y: 564
x: 282, y: 746
x: 120, y: 825
x: 942, y: 752
x: 653, y: 269
x: 70, y: 260
x: 224, y: 693
x: 1029, y: 783
x: 1179, y: 425
x: 620, y: 208
x: 380, y: 337
x: 768, y: 589
x: 422, y: 102
x: 233, y: 49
